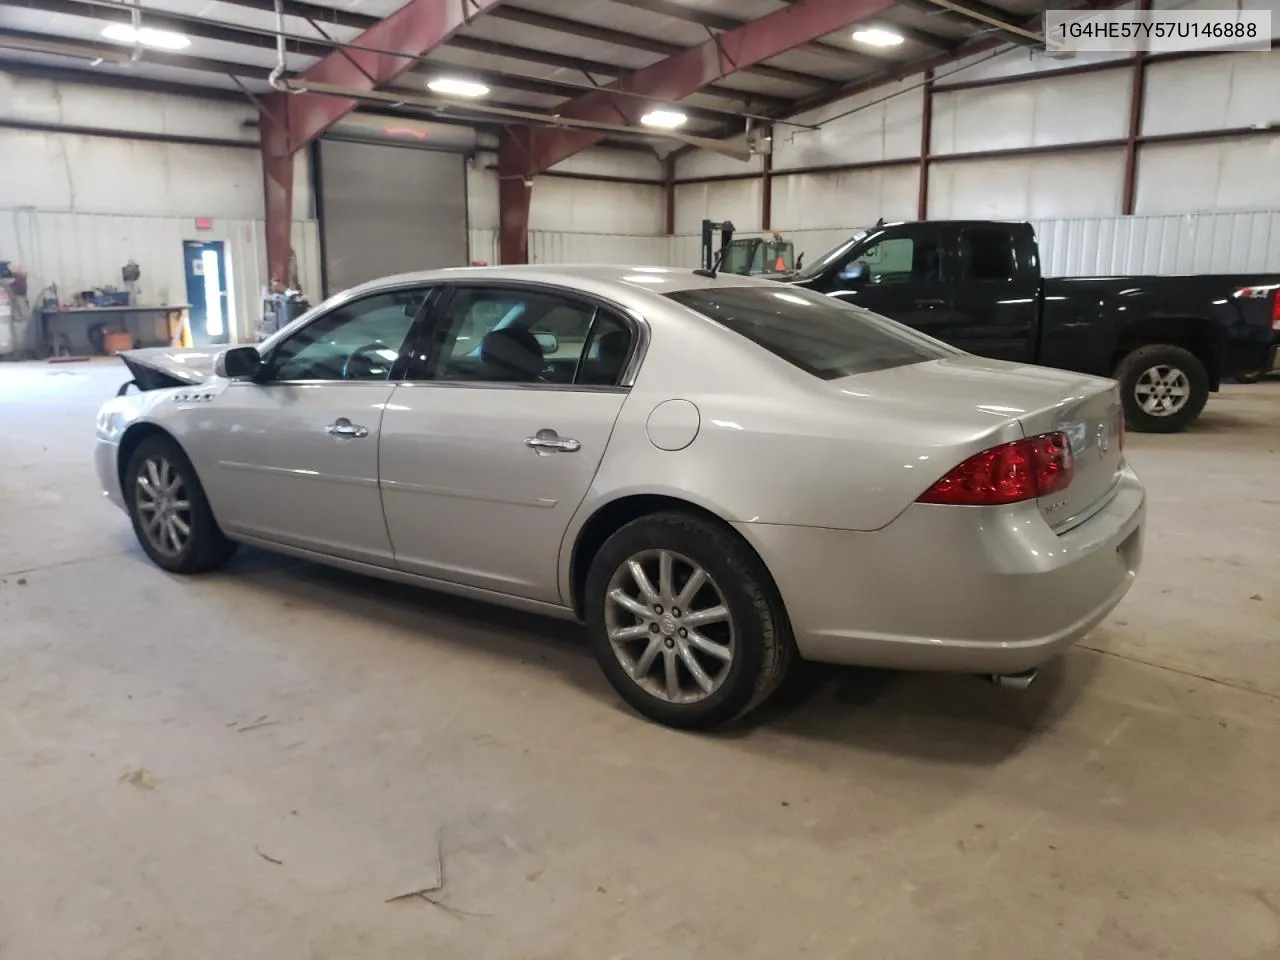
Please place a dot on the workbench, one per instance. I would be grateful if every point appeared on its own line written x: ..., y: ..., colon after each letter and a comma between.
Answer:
x: 64, y: 331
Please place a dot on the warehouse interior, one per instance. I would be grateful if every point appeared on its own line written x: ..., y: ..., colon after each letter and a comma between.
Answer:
x: 283, y: 759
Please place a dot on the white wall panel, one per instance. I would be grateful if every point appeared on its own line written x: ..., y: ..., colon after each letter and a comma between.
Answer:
x: 79, y: 251
x: 1193, y: 243
x: 706, y: 163
x: 735, y: 200
x: 482, y: 246
x: 482, y: 192
x: 1215, y: 175
x: 1212, y: 93
x: 1087, y: 183
x: 1037, y: 113
x: 58, y: 171
x: 1018, y: 62
x: 613, y: 163
x: 557, y: 247
x: 885, y: 125
x: 85, y: 105
x: 588, y: 206
x: 821, y: 200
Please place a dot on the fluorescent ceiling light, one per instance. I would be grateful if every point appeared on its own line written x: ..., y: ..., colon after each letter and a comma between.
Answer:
x: 146, y: 36
x: 667, y: 119
x: 877, y: 37
x: 453, y: 87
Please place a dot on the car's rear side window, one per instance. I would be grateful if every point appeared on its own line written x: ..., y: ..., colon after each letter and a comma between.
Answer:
x: 820, y: 335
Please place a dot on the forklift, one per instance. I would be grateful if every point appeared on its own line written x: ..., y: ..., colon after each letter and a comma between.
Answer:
x: 746, y: 256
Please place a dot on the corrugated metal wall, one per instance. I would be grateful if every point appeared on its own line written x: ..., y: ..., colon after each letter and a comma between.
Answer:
x: 79, y: 251
x: 1192, y: 243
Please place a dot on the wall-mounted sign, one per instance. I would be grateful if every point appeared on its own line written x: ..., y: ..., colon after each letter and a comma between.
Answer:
x: 204, y: 223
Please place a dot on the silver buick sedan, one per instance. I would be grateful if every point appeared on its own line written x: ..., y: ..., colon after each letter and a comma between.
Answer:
x: 717, y: 474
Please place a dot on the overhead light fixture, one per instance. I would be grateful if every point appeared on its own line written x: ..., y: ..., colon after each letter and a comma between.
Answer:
x: 877, y: 37
x: 666, y: 119
x: 146, y: 36
x: 454, y: 87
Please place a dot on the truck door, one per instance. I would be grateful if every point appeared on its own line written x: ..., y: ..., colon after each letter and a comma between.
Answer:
x: 995, y: 296
x: 898, y: 273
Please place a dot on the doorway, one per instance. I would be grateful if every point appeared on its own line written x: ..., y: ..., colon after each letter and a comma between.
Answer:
x: 205, y: 264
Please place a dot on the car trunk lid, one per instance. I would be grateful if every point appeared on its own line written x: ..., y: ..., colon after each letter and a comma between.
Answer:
x: 966, y: 396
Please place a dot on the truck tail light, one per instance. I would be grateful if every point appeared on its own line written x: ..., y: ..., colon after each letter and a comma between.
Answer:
x: 1010, y: 473
x: 1271, y: 290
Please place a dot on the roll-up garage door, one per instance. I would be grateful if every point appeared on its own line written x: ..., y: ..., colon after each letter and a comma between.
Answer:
x: 386, y: 210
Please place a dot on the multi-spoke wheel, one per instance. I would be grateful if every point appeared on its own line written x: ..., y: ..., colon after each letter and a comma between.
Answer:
x: 1163, y: 388
x: 160, y: 495
x: 170, y: 513
x: 685, y: 621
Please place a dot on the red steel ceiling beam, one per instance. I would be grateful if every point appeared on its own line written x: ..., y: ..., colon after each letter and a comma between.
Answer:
x: 292, y: 120
x: 688, y: 71
x: 417, y: 28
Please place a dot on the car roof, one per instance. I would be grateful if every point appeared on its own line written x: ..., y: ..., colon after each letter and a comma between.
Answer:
x: 632, y: 278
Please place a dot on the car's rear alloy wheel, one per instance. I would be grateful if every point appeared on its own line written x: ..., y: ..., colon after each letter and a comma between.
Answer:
x: 685, y: 621
x: 169, y: 510
x: 669, y: 626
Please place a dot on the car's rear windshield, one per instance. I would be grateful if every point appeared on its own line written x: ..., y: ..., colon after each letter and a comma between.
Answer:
x: 819, y: 334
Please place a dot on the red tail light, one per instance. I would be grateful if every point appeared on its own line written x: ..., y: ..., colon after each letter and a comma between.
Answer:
x: 1261, y: 293
x: 1009, y: 473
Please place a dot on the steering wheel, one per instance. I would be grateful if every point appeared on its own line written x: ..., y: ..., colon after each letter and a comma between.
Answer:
x: 361, y: 355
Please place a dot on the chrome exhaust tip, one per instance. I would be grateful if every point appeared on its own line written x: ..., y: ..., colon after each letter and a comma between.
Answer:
x: 1014, y: 681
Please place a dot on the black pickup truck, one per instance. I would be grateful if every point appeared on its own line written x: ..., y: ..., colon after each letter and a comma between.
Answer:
x: 976, y: 284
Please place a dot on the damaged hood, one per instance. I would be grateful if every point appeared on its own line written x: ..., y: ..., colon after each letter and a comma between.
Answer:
x: 155, y: 368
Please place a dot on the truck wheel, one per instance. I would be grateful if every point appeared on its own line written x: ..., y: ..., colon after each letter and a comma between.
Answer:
x: 1163, y: 388
x: 1251, y: 376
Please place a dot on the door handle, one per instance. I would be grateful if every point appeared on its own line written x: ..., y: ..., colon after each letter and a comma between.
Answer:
x: 928, y: 302
x: 342, y: 427
x: 546, y: 442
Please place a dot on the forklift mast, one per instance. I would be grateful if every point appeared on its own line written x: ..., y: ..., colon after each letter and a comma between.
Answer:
x: 709, y: 260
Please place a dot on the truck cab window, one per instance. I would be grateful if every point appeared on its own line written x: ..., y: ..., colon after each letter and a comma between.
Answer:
x: 987, y: 255
x: 898, y: 260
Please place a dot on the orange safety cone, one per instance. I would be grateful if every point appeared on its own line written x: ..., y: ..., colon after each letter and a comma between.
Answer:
x: 779, y: 265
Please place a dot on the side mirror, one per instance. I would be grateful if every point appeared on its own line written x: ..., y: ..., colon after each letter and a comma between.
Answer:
x: 855, y: 274
x: 549, y: 343
x: 800, y: 261
x: 238, y: 363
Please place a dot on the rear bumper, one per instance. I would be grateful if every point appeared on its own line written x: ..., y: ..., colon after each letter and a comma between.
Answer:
x: 982, y: 590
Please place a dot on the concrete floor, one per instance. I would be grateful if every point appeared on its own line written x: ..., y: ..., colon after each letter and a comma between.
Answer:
x: 164, y: 742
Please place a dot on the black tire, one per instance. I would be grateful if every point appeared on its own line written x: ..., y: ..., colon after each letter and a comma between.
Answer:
x: 1251, y: 376
x: 762, y: 644
x: 1131, y: 371
x: 204, y: 548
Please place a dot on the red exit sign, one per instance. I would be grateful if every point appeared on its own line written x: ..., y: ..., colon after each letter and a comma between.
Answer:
x: 204, y: 223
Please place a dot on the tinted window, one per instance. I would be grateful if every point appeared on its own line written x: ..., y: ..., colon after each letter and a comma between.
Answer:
x: 499, y: 335
x: 818, y: 334
x: 987, y: 255
x: 359, y: 340
x: 898, y: 260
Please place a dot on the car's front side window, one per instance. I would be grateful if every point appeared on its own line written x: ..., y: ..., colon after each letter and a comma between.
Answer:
x: 359, y: 340
x: 498, y: 335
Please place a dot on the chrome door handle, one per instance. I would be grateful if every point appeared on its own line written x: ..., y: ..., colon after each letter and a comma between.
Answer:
x: 548, y: 441
x: 342, y: 427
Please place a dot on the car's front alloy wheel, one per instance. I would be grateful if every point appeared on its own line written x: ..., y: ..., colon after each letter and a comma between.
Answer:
x: 160, y: 492
x: 685, y: 621
x: 170, y: 513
